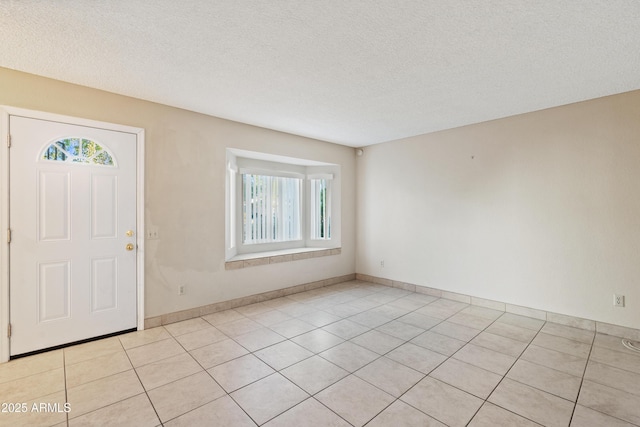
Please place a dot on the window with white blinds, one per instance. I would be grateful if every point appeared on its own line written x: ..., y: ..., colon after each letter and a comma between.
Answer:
x: 276, y: 204
x: 320, y: 207
x: 270, y: 208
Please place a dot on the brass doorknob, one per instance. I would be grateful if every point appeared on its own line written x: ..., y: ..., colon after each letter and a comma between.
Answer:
x: 129, y: 246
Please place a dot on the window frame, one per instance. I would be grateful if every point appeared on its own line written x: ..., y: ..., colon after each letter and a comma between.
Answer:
x: 63, y: 155
x: 239, y: 162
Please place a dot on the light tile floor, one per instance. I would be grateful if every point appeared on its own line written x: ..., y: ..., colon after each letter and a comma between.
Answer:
x: 350, y: 354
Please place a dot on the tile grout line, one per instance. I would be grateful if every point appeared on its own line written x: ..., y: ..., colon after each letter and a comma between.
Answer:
x: 66, y: 394
x: 204, y: 370
x: 332, y: 411
x: 440, y: 364
x: 584, y: 371
x: 240, y: 406
x: 310, y: 396
x: 582, y: 381
x: 141, y: 384
x: 485, y: 400
x: 507, y: 373
x: 276, y: 371
x: 353, y: 373
x: 503, y: 376
x: 575, y: 403
x: 107, y: 376
x: 528, y: 385
x: 613, y: 366
x: 424, y: 375
x: 377, y: 358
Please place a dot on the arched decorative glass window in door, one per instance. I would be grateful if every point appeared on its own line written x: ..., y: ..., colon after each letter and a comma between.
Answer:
x: 78, y: 150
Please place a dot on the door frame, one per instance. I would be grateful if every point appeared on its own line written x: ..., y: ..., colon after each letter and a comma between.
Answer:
x: 5, y: 113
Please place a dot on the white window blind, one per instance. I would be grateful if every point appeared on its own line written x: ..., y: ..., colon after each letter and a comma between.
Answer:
x: 271, y: 208
x: 320, y: 199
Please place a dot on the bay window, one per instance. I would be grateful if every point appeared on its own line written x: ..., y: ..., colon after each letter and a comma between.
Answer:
x: 277, y: 204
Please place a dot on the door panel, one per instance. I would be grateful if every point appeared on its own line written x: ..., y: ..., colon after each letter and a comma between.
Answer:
x: 54, y: 205
x: 71, y: 276
x: 104, y: 285
x: 53, y: 291
x: 104, y: 203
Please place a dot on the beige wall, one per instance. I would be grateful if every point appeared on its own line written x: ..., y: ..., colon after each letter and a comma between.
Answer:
x: 185, y: 178
x: 540, y: 210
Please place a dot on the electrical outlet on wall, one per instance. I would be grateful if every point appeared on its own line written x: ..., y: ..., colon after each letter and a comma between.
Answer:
x: 181, y: 289
x: 618, y: 300
x: 382, y: 263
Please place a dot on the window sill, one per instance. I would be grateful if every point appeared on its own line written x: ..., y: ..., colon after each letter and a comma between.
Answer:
x: 275, y: 257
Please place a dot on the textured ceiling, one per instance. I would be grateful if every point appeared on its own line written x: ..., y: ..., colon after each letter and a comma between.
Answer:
x: 350, y: 72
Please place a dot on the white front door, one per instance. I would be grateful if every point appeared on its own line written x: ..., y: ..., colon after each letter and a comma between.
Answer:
x: 72, y: 216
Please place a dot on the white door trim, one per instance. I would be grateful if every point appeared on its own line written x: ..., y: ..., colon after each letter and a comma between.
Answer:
x: 5, y: 113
